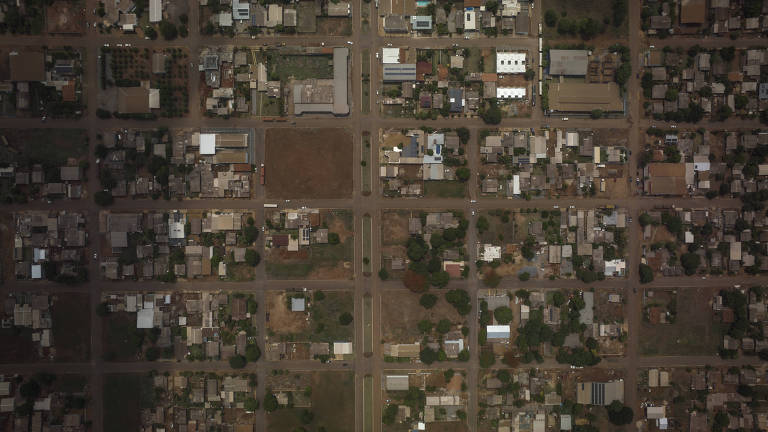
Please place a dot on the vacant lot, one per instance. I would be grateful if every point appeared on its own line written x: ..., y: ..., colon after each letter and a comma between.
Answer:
x: 323, y: 324
x: 124, y: 397
x: 65, y: 18
x: 445, y: 189
x: 71, y: 327
x: 599, y: 10
x: 401, y: 313
x: 122, y: 340
x: 693, y: 332
x: 304, y: 162
x: 318, y: 261
x: 50, y: 147
x: 333, y: 405
x: 302, y: 67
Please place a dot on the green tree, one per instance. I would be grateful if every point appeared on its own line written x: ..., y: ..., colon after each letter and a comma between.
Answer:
x: 168, y: 30
x: 102, y: 309
x: 443, y: 326
x: 389, y: 414
x: 491, y: 114
x: 30, y: 389
x: 482, y: 224
x: 333, y: 238
x: 252, y: 257
x: 646, y: 274
x: 487, y: 359
x: 345, y: 318
x: 425, y: 326
x: 383, y: 274
x: 463, y: 174
x: 270, y: 402
x: 237, y: 362
x: 460, y: 300
x: 690, y: 262
x: 619, y: 414
x: 550, y: 18
x: 428, y: 356
x: 428, y: 301
x: 503, y: 315
x: 251, y: 404
x: 252, y: 353
x: 103, y: 198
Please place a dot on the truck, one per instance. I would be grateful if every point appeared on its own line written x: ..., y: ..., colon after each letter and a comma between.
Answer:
x: 270, y: 205
x: 262, y: 176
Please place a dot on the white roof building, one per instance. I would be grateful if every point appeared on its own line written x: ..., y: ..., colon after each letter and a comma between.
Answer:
x: 510, y: 92
x: 37, y: 271
x: 207, y: 144
x: 342, y: 348
x: 510, y: 62
x: 390, y: 55
x: 144, y: 318
x: 490, y: 253
x: 497, y: 331
x: 470, y: 20
x: 155, y: 11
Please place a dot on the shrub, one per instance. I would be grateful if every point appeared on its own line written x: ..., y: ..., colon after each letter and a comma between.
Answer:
x: 345, y: 318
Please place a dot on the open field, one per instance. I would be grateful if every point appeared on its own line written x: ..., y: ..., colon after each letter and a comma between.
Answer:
x: 598, y: 10
x: 51, y: 147
x: 122, y: 340
x: 693, y: 332
x: 445, y: 189
x: 318, y: 261
x: 323, y: 155
x: 124, y: 397
x: 323, y: 324
x: 332, y: 403
x: 401, y: 313
x: 302, y: 67
x: 72, y: 328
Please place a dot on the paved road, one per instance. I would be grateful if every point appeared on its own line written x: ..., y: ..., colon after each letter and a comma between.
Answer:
x: 362, y: 204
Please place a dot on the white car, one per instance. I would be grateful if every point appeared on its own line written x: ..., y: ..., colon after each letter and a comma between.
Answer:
x: 565, y: 118
x: 377, y: 55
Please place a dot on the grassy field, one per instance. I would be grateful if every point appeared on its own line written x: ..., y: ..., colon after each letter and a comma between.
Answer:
x: 71, y: 331
x: 694, y: 331
x: 69, y: 383
x: 321, y: 261
x: 368, y: 324
x: 445, y: 189
x: 367, y: 167
x: 598, y: 10
x: 302, y: 67
x: 121, y: 337
x: 333, y: 405
x: 367, y: 243
x: 288, y: 270
x: 50, y: 147
x: 325, y: 315
x: 366, y: 81
x: 124, y: 396
x: 368, y: 403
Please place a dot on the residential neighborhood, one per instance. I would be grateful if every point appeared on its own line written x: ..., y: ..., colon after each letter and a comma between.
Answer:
x: 383, y: 216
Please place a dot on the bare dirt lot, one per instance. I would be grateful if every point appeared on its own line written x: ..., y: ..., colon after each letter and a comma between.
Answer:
x: 401, y: 313
x: 64, y: 17
x: 304, y: 162
x: 281, y: 319
x: 694, y: 330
